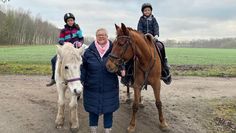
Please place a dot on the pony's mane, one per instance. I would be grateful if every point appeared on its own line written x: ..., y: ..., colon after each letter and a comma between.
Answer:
x: 68, y: 49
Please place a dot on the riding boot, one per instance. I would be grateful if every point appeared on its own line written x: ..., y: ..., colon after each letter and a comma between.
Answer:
x: 165, y: 74
x: 53, y: 63
x: 93, y: 129
x: 52, y: 82
x: 107, y: 130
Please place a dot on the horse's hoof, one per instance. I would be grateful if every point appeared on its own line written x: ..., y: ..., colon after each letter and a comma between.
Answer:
x: 130, y: 129
x: 141, y: 105
x: 164, y: 127
x: 74, y: 130
x: 128, y: 101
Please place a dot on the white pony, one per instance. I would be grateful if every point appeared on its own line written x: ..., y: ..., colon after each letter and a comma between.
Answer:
x: 67, y: 75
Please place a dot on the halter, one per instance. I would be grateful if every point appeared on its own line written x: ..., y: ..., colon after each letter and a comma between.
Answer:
x: 124, y: 49
x: 121, y: 60
x: 66, y: 81
x: 70, y: 80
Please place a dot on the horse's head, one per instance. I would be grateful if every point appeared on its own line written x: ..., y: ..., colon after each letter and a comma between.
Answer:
x: 122, y: 49
x: 69, y: 61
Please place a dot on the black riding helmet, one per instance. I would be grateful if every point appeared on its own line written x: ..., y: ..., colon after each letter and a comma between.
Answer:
x: 67, y: 16
x: 145, y: 5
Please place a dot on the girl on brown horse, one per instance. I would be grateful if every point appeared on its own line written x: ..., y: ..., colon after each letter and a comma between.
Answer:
x: 148, y: 24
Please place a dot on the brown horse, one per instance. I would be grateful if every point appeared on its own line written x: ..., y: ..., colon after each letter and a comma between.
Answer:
x: 131, y: 44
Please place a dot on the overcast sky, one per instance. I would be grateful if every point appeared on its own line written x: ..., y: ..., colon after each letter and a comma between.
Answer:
x: 178, y: 19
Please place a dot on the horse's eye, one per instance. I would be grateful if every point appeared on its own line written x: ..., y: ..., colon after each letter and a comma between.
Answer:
x: 66, y: 67
x: 120, y: 44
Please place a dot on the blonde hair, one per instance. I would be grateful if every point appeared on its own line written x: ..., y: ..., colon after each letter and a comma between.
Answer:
x: 102, y: 29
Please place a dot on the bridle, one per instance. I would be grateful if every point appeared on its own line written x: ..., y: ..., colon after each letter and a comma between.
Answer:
x: 122, y: 61
x: 66, y: 81
x: 70, y: 80
x: 125, y: 46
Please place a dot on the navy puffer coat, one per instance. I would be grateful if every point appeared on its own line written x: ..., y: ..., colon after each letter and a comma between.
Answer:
x: 101, y: 88
x: 148, y: 25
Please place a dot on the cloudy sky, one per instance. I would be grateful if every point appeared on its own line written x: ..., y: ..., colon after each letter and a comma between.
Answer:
x: 178, y: 19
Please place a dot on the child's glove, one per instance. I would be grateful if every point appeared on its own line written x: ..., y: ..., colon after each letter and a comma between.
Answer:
x: 77, y: 44
x: 156, y: 37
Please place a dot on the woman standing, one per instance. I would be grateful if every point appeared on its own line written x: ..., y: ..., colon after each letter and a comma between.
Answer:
x: 101, y: 88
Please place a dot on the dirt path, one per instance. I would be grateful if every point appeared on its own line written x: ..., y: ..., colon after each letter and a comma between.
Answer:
x: 27, y: 106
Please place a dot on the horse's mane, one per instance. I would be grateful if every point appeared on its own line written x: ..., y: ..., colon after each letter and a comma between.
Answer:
x: 147, y: 37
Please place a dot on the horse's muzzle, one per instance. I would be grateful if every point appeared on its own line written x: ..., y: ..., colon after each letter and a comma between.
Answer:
x: 111, y: 67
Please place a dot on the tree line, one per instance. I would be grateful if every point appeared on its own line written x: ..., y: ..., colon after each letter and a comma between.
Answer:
x: 19, y: 27
x: 210, y: 43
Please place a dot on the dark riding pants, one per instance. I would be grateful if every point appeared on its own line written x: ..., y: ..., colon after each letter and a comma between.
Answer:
x: 53, y: 63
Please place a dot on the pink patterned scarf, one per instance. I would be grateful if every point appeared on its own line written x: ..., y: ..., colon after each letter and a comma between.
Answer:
x: 102, y: 50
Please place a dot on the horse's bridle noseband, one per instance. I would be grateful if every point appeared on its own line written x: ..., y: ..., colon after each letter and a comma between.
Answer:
x: 70, y: 80
x: 124, y: 49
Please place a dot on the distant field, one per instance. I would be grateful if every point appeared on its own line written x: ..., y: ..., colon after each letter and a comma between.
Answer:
x: 27, y: 54
x: 36, y: 60
x: 201, y: 56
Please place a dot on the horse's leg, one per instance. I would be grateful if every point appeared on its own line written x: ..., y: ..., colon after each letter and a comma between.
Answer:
x: 61, y: 106
x: 141, y: 105
x: 73, y: 115
x: 156, y: 90
x: 135, y: 106
x: 128, y: 100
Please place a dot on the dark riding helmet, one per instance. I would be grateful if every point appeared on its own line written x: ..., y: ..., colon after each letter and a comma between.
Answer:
x: 145, y: 5
x: 67, y: 16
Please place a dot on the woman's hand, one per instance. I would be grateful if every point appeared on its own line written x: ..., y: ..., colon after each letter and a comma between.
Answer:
x: 122, y: 73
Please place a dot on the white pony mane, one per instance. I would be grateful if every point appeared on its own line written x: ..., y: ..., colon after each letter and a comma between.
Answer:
x: 68, y: 51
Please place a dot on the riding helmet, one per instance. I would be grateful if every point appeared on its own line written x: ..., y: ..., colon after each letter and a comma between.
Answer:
x: 67, y: 16
x: 145, y: 5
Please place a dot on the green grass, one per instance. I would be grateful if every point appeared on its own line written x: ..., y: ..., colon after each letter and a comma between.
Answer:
x: 184, y: 61
x: 201, y: 56
x: 27, y: 54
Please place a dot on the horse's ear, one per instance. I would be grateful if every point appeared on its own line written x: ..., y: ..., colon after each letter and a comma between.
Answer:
x: 117, y: 27
x: 59, y: 50
x: 124, y: 29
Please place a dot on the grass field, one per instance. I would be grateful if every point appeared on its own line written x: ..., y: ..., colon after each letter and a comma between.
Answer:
x: 184, y: 61
x: 201, y: 56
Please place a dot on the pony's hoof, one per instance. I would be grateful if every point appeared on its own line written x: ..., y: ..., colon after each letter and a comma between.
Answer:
x: 164, y: 127
x: 59, y: 126
x: 131, y: 129
x: 74, y: 130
